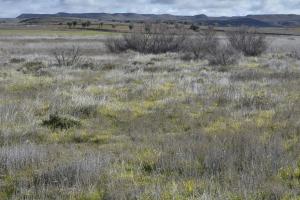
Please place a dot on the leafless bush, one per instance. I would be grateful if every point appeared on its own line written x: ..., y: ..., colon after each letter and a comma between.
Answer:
x: 248, y: 41
x: 116, y: 45
x: 155, y: 39
x: 201, y: 45
x: 223, y: 55
x: 67, y: 57
x: 207, y: 45
x: 295, y: 54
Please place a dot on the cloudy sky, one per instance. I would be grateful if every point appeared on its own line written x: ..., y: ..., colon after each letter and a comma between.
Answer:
x: 12, y: 8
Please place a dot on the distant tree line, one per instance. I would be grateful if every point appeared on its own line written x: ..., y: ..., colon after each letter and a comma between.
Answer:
x: 85, y: 24
x: 72, y: 24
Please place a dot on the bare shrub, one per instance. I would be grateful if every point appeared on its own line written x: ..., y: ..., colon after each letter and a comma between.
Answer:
x: 154, y: 39
x: 248, y: 41
x: 201, y: 45
x: 207, y: 45
x: 116, y: 45
x: 67, y: 57
x: 32, y: 67
x: 223, y: 55
x: 294, y: 54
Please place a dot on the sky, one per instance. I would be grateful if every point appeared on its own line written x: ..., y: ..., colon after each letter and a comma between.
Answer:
x: 12, y: 8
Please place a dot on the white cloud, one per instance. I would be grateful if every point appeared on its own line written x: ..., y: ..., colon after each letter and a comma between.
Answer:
x: 12, y: 8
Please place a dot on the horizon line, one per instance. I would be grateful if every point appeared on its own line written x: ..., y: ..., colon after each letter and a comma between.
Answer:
x: 64, y: 12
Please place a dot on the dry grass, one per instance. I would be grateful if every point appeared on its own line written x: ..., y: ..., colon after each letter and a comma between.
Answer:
x: 151, y: 126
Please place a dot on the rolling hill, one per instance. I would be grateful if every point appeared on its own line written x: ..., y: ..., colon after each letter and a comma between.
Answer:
x: 278, y: 20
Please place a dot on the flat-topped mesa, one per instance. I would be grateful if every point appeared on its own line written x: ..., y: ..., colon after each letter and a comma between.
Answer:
x: 278, y: 20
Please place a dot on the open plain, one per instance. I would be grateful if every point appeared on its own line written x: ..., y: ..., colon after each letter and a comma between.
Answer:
x: 146, y: 126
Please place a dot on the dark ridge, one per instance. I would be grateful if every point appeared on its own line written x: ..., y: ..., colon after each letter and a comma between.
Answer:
x: 279, y: 20
x: 240, y: 22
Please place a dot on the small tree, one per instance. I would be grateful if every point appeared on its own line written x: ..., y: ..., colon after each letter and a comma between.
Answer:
x: 88, y: 23
x: 194, y: 27
x: 74, y: 23
x: 69, y: 24
x: 130, y: 26
x: 83, y: 24
x: 148, y: 27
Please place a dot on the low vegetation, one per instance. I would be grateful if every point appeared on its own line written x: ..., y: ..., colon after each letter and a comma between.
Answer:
x: 60, y: 122
x: 140, y: 122
x: 155, y: 39
x: 248, y: 41
x: 68, y: 57
x: 161, y: 39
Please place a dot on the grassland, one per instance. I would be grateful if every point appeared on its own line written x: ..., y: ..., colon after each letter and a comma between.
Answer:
x: 51, y: 32
x: 135, y: 126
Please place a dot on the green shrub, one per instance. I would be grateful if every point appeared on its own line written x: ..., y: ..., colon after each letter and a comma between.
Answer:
x: 194, y: 27
x: 17, y: 60
x: 56, y: 121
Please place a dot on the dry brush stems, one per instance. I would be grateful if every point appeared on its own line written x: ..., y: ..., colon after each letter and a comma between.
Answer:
x: 67, y: 57
x: 154, y: 39
x: 223, y: 55
x: 248, y: 41
x: 206, y: 42
x: 157, y: 39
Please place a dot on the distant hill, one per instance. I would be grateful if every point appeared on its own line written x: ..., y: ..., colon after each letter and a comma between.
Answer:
x: 278, y: 20
x: 249, y: 20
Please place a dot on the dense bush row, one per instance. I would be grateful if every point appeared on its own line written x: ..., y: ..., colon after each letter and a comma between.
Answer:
x: 155, y: 39
x: 159, y: 39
